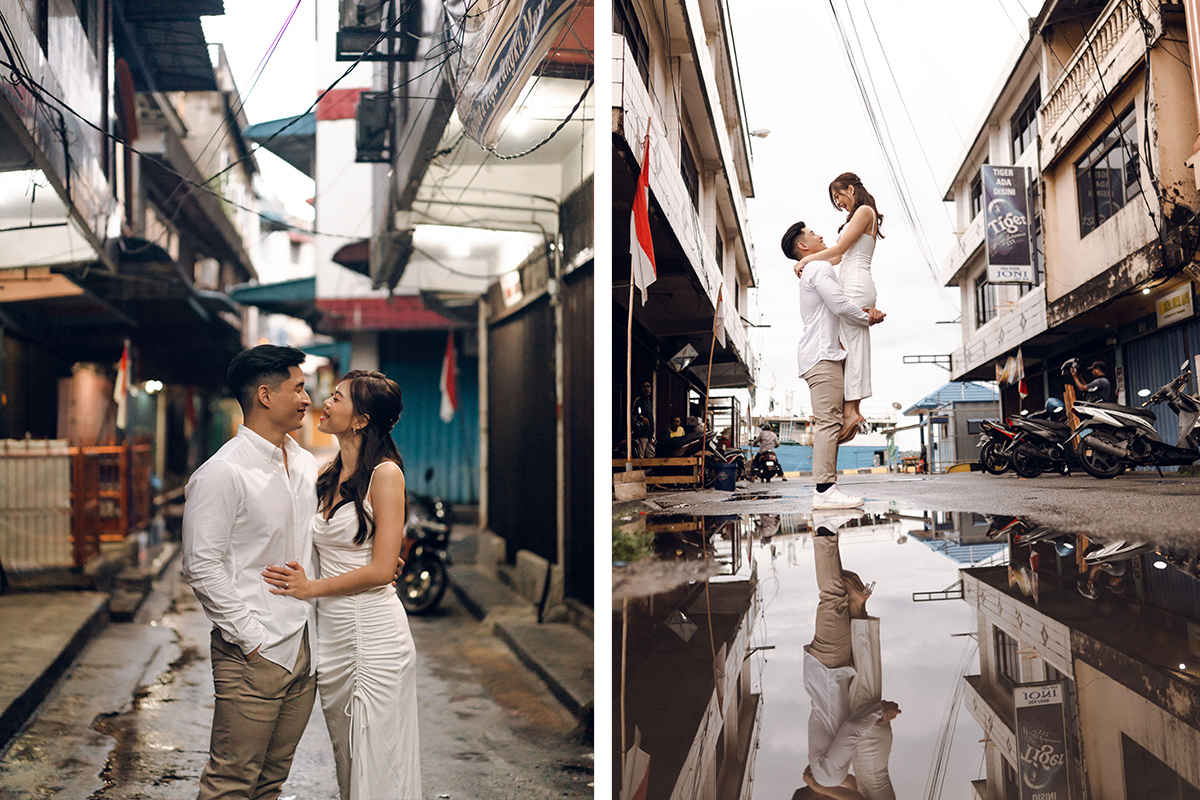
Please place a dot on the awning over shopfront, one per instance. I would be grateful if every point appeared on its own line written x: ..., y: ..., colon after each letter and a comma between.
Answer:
x: 165, y: 43
x: 355, y: 256
x: 36, y: 229
x: 296, y: 298
x: 295, y: 139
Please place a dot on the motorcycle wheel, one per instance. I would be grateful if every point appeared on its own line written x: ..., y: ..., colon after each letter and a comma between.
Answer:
x: 992, y: 462
x: 1099, y: 464
x: 1027, y: 466
x: 422, y: 584
x: 710, y: 473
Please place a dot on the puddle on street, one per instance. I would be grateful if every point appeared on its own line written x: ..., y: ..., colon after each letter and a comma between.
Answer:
x: 1013, y: 652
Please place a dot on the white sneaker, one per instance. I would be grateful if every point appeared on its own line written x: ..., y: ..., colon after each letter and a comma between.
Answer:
x: 827, y: 523
x: 833, y: 497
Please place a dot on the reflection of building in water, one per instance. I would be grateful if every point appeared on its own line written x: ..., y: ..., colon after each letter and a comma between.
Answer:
x: 960, y: 536
x: 690, y: 694
x: 1129, y: 659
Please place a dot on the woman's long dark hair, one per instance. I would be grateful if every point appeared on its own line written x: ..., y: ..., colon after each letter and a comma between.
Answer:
x: 378, y: 397
x: 848, y: 180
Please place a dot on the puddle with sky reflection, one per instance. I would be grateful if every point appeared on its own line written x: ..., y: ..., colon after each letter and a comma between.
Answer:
x: 989, y: 650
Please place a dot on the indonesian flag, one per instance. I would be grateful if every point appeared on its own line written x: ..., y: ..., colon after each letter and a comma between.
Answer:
x: 719, y: 319
x: 448, y: 384
x: 636, y: 775
x: 641, y: 248
x: 1022, y: 388
x: 121, y: 388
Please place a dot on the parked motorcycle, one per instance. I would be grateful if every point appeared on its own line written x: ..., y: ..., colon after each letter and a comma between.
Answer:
x: 424, y: 579
x: 1113, y: 436
x: 1040, y: 442
x: 993, y: 438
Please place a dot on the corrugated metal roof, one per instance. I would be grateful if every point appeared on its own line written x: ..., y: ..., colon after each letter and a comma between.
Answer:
x: 953, y: 393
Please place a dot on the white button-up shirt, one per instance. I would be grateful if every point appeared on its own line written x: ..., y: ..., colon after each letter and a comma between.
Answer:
x: 822, y: 303
x: 834, y: 726
x: 243, y: 512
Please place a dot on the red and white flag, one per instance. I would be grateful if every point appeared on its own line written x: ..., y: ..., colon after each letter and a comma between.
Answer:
x: 121, y: 388
x: 636, y: 775
x: 719, y: 319
x: 448, y: 383
x: 641, y: 248
x: 1022, y: 388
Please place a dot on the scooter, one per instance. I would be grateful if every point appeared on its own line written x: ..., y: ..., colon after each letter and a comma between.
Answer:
x: 766, y: 466
x: 1113, y: 436
x: 424, y: 579
x: 993, y: 438
x: 1040, y: 443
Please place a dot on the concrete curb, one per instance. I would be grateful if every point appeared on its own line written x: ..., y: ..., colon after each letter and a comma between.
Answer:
x: 550, y: 650
x: 41, y: 677
x: 560, y: 654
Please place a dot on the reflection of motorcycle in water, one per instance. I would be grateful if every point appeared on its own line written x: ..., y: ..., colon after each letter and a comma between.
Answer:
x: 1113, y: 436
x: 424, y: 578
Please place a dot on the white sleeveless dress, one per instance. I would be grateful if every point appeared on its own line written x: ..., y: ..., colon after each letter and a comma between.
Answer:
x: 854, y: 273
x: 366, y: 673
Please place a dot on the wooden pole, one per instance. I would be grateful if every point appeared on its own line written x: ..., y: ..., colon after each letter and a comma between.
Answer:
x: 629, y: 380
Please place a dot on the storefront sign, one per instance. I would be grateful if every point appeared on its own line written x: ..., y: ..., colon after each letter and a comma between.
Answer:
x: 1041, y: 742
x: 1009, y: 245
x: 501, y: 45
x: 1175, y: 305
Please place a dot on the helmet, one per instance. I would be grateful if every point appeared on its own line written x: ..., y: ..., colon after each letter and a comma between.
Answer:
x: 766, y: 426
x: 1069, y: 366
x: 1054, y: 404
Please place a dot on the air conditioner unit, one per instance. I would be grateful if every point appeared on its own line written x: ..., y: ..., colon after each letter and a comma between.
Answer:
x: 362, y: 22
x: 373, y: 121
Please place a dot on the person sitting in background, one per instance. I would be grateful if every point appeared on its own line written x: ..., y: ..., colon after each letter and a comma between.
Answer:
x: 675, y: 429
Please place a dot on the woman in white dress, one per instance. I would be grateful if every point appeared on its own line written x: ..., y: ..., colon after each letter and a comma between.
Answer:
x: 366, y: 662
x: 855, y: 247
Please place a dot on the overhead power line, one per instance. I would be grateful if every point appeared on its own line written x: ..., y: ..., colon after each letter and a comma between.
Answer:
x: 865, y: 87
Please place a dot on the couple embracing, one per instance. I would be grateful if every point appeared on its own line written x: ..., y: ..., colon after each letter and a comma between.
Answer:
x: 294, y: 571
x: 838, y: 307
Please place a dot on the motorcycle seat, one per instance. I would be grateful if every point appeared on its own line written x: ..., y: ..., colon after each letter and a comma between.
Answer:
x: 1137, y: 412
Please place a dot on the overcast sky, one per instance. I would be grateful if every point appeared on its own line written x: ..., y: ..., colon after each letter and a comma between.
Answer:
x: 287, y: 84
x: 946, y: 61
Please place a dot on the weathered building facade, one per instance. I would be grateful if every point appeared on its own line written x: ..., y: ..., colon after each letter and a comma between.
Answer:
x: 1100, y: 106
x: 675, y: 79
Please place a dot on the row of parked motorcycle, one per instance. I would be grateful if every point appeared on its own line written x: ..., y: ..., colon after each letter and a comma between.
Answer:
x: 1108, y: 439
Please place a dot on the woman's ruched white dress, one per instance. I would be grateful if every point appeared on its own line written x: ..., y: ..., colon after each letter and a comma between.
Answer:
x: 366, y: 673
x: 854, y: 273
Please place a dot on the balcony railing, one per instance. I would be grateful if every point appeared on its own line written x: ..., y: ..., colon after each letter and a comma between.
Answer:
x: 1112, y: 46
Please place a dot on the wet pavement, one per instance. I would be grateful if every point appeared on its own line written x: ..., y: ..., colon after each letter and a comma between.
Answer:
x: 975, y: 613
x: 131, y: 717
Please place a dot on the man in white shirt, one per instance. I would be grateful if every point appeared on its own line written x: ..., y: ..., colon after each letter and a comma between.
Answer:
x: 251, y: 505
x: 820, y: 358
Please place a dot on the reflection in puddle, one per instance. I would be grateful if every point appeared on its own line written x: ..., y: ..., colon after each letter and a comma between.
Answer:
x: 1081, y: 656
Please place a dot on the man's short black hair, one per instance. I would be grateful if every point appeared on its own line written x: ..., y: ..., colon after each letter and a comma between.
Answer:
x: 789, y: 240
x: 266, y: 364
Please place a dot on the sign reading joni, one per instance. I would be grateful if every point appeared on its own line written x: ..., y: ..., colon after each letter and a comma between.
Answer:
x: 1041, y: 742
x: 1006, y: 206
x: 501, y: 44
